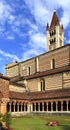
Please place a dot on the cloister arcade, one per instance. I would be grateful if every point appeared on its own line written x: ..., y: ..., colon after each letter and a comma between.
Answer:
x: 44, y: 106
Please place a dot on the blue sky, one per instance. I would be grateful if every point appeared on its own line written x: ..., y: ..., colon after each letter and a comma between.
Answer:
x: 23, y: 27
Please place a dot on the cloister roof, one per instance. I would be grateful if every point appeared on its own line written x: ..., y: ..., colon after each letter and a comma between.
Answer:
x: 49, y: 94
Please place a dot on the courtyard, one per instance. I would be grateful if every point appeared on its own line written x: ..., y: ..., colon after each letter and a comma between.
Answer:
x: 40, y: 123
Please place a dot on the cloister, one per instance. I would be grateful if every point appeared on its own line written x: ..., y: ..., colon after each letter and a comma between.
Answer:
x: 39, y: 106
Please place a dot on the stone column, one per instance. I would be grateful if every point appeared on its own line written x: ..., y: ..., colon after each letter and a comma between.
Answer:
x: 67, y: 105
x: 10, y: 106
x: 42, y: 106
x: 18, y: 107
x: 31, y: 107
x: 56, y: 106
x: 24, y: 107
x: 34, y: 106
x: 21, y: 107
x: 14, y: 106
x: 61, y: 106
x: 51, y: 106
x: 38, y: 106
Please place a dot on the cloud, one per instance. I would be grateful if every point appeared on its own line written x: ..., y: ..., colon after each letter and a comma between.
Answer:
x: 7, y: 55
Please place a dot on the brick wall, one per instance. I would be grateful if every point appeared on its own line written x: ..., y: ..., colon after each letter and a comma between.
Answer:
x: 4, y: 87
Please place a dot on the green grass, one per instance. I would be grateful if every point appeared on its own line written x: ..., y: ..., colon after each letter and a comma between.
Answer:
x: 40, y: 123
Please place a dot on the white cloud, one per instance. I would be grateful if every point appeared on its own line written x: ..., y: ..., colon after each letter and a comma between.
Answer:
x: 8, y: 55
x: 42, y: 10
x: 5, y: 12
x: 38, y: 40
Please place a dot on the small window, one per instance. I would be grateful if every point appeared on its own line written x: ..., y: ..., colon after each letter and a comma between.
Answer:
x: 28, y: 71
x: 53, y: 64
x: 42, y: 85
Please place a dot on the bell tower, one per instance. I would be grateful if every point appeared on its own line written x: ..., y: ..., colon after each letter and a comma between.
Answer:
x: 55, y: 33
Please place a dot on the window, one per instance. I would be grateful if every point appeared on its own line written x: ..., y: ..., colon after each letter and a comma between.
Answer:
x: 53, y: 64
x: 53, y: 41
x: 52, y: 33
x: 42, y: 85
x: 28, y: 71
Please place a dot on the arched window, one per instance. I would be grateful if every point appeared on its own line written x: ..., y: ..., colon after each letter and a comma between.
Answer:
x: 28, y: 70
x: 42, y: 83
x: 53, y: 64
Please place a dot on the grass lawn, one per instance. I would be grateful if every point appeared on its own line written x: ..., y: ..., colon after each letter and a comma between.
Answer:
x: 39, y: 123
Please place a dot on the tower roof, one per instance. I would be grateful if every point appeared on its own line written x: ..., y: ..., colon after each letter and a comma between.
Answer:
x: 55, y: 20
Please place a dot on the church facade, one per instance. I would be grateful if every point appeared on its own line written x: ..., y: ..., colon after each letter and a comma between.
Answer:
x: 42, y: 84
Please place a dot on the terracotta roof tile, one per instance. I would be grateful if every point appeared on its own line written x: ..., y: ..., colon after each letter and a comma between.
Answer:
x: 49, y: 94
x: 49, y: 72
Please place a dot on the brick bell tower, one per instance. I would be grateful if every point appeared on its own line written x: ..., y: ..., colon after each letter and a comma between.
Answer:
x: 55, y: 33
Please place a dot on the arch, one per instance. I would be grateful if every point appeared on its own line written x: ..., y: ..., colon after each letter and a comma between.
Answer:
x: 40, y: 106
x: 8, y: 107
x: 45, y: 107
x: 53, y: 64
x: 59, y: 106
x: 64, y: 106
x: 54, y: 106
x: 22, y: 106
x: 16, y: 107
x: 12, y: 107
x: 36, y: 106
x: 33, y: 107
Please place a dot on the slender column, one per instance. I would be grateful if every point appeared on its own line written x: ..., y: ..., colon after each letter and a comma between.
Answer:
x: 21, y: 107
x: 56, y: 106
x: 67, y: 105
x: 28, y: 107
x: 10, y: 106
x: 38, y: 106
x: 24, y: 107
x: 51, y: 106
x: 42, y: 106
x: 31, y: 107
x: 34, y: 106
x: 61, y: 106
x: 14, y: 107
x: 18, y: 107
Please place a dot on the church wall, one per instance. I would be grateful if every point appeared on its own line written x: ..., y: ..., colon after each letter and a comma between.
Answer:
x: 61, y: 57
x: 66, y: 80
x: 33, y: 85
x: 12, y: 71
x: 16, y: 88
x: 53, y: 82
x: 25, y: 65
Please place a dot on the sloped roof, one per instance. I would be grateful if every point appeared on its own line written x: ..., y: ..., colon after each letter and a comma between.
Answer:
x: 49, y: 94
x: 55, y: 20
